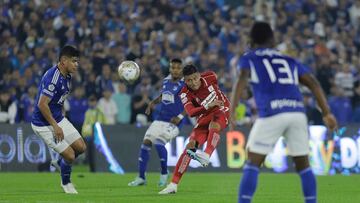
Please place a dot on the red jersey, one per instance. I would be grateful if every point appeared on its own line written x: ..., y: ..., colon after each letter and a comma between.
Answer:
x: 195, y: 101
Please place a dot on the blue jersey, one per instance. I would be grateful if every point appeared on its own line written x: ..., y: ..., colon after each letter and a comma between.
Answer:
x: 170, y: 105
x: 57, y: 87
x: 274, y: 80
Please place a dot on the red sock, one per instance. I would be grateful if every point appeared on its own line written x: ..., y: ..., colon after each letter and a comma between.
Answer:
x: 181, y: 167
x: 212, y: 140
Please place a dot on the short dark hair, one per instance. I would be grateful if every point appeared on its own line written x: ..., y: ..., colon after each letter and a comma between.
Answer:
x: 261, y: 33
x: 176, y: 60
x: 189, y: 69
x: 69, y: 51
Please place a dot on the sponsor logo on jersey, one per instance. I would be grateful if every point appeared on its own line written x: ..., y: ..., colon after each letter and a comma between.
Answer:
x: 168, y: 97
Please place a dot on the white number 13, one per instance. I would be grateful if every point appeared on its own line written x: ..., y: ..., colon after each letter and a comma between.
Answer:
x: 284, y: 67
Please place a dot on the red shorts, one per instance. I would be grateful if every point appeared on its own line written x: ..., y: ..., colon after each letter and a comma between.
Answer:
x: 201, y: 130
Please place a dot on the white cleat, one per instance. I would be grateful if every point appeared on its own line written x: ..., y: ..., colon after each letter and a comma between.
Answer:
x: 69, y: 188
x: 199, y: 156
x: 56, y: 164
x: 137, y: 182
x: 170, y: 189
x: 163, y: 180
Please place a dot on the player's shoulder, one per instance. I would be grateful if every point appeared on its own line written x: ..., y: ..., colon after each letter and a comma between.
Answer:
x: 167, y: 79
x: 208, y: 74
x: 52, y: 75
x: 184, y: 89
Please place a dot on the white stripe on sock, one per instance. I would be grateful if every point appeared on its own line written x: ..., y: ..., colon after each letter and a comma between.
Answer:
x: 310, y: 197
x: 305, y: 170
x: 251, y: 167
x: 246, y: 196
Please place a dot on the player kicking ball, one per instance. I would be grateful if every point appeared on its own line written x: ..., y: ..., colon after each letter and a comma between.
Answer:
x: 202, y: 98
x: 274, y: 78
x: 165, y: 126
x: 48, y: 120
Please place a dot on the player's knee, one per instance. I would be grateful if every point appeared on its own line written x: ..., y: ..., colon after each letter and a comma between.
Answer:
x: 191, y: 145
x: 69, y: 157
x: 255, y: 159
x: 82, y: 148
x: 147, y: 142
x: 301, y: 162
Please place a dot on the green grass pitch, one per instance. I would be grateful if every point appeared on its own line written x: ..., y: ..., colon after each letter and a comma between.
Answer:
x: 194, y: 188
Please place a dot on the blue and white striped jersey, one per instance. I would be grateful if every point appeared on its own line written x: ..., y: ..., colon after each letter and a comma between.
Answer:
x: 55, y: 86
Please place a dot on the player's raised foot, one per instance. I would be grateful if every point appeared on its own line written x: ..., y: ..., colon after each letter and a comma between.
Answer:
x: 137, y: 182
x: 69, y: 188
x: 170, y: 189
x: 56, y: 164
x: 199, y: 156
x: 163, y: 180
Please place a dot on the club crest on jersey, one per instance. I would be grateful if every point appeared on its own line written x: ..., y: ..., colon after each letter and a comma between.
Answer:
x: 211, y: 88
x: 183, y: 95
x: 51, y: 87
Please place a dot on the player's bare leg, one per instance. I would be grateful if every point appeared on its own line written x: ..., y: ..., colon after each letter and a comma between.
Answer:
x: 250, y: 175
x: 180, y: 168
x: 143, y: 159
x: 78, y: 146
x: 308, y: 180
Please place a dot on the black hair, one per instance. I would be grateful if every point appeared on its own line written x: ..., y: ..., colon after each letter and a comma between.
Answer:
x: 69, y: 51
x: 261, y: 33
x: 189, y: 69
x: 176, y: 60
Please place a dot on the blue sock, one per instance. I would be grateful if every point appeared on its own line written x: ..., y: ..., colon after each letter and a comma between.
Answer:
x: 162, y: 152
x: 308, y: 183
x: 248, y: 183
x: 143, y: 159
x: 65, y: 171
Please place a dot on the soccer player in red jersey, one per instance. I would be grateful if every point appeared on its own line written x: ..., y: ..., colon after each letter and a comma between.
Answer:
x: 203, y: 99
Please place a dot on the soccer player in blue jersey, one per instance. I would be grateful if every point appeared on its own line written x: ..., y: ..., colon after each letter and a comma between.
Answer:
x: 274, y: 79
x: 165, y: 126
x: 48, y: 120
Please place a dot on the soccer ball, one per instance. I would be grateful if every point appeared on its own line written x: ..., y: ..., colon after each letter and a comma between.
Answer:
x: 129, y: 71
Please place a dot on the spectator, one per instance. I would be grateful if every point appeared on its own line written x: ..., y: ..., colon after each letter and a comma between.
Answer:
x: 26, y: 105
x: 340, y: 106
x: 8, y: 108
x: 104, y: 80
x: 344, y: 79
x: 139, y: 104
x: 207, y: 33
x: 92, y: 115
x: 78, y: 105
x: 108, y: 106
x: 123, y: 103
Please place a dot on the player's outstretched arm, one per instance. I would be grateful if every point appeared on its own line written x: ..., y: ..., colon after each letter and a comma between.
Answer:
x: 237, y: 91
x: 312, y: 83
x: 45, y: 111
x: 152, y: 104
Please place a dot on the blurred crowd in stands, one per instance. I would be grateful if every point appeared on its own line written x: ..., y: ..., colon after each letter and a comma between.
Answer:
x: 324, y: 34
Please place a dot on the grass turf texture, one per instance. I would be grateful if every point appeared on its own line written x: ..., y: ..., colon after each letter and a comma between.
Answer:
x: 195, y: 187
